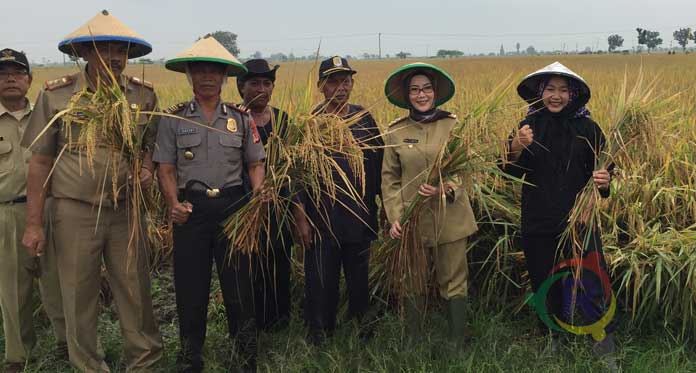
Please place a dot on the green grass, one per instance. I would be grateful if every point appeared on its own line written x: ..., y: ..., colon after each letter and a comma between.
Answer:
x: 503, y: 342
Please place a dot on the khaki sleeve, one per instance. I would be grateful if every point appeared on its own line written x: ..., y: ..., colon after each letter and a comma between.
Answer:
x: 253, y: 147
x: 150, y: 135
x: 35, y: 138
x: 391, y: 181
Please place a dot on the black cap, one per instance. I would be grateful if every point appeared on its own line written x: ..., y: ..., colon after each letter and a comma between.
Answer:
x: 258, y: 68
x: 335, y: 64
x: 8, y: 55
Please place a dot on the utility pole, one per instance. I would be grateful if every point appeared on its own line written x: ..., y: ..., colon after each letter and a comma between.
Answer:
x: 379, y: 36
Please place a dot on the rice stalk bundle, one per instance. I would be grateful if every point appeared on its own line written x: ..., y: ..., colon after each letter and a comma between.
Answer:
x: 301, y: 161
x: 634, y: 115
x: 103, y: 123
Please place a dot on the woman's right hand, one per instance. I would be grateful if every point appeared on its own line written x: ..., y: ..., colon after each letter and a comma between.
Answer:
x: 523, y: 139
x: 395, y: 231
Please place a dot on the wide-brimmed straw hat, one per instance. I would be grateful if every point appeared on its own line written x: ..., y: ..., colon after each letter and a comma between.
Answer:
x: 206, y: 49
x: 529, y: 87
x: 104, y: 27
x: 394, y: 86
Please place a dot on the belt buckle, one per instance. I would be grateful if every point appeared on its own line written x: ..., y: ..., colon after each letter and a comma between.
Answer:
x: 213, y: 193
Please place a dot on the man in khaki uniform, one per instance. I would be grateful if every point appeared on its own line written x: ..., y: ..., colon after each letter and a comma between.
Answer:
x: 89, y: 229
x: 17, y: 268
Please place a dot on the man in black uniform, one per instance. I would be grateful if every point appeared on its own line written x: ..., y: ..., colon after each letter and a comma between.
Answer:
x: 272, y: 286
x: 200, y: 172
x: 344, y: 227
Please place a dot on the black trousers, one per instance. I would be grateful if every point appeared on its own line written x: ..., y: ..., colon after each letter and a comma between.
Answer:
x: 198, y: 243
x: 272, y: 288
x: 542, y: 253
x: 323, y: 264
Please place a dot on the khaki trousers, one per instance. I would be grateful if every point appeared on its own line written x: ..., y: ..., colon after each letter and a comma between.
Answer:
x: 452, y: 269
x: 17, y: 273
x: 82, y: 246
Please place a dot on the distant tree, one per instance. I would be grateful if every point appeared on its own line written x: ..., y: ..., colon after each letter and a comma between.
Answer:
x: 650, y: 39
x: 256, y: 55
x: 402, y: 55
x: 682, y: 36
x: 518, y: 47
x: 502, y: 50
x: 615, y: 41
x: 445, y: 53
x: 228, y: 40
x: 145, y: 61
x: 531, y: 50
x: 278, y: 57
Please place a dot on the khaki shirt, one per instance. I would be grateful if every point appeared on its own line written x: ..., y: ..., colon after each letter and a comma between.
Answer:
x: 214, y: 153
x: 14, y: 158
x: 411, y: 149
x: 72, y: 177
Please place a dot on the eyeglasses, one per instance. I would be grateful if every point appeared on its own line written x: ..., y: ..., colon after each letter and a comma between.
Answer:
x: 5, y: 75
x: 415, y: 91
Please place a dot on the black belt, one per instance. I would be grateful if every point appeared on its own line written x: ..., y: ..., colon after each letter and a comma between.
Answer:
x: 22, y: 199
x: 188, y: 193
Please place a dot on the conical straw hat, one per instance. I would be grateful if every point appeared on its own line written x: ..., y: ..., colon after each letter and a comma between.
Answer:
x: 206, y: 49
x: 104, y: 27
x: 394, y: 86
x: 529, y: 87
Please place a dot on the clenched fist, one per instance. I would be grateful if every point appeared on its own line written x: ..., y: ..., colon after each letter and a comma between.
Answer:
x: 523, y: 139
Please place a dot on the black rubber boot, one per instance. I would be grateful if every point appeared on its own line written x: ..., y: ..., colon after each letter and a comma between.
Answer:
x: 457, y: 309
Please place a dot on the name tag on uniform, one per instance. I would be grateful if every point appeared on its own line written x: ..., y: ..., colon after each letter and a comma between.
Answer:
x: 411, y: 141
x: 186, y: 131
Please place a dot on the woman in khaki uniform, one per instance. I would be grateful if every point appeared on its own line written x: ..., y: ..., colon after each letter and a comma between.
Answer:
x: 413, y: 143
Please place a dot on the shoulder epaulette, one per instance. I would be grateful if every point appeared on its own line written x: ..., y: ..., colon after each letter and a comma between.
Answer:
x: 176, y: 108
x: 59, y: 83
x: 240, y: 108
x: 398, y: 120
x: 141, y: 82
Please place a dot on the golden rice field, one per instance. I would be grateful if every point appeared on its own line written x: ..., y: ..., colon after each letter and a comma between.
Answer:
x: 649, y: 223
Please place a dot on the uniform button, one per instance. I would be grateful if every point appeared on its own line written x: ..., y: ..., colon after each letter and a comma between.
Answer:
x: 188, y: 155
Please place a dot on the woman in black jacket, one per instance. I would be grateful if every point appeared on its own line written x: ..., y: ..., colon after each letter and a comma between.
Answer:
x: 555, y: 150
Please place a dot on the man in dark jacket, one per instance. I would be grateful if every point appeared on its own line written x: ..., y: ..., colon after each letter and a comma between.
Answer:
x: 344, y: 227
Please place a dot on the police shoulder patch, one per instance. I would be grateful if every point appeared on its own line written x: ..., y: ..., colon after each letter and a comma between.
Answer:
x: 50, y: 85
x: 176, y: 108
x: 240, y: 108
x: 142, y: 82
x: 398, y: 120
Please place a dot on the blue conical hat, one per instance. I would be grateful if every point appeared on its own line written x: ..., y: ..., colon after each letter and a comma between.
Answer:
x: 104, y: 27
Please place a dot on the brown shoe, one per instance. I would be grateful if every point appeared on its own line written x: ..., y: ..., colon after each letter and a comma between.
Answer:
x: 14, y: 367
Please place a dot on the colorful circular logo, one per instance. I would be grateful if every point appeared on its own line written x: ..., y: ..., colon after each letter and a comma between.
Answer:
x: 590, y: 263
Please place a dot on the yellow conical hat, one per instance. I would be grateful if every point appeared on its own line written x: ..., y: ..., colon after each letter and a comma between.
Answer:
x: 105, y: 27
x: 206, y: 49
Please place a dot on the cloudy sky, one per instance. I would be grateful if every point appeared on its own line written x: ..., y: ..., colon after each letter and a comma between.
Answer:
x: 351, y: 27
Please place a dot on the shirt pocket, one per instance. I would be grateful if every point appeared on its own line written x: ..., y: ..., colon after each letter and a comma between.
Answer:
x: 6, y: 159
x: 187, y: 143
x: 231, y: 146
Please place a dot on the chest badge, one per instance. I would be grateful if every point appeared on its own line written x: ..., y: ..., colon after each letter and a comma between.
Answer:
x: 232, y: 125
x: 188, y: 154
